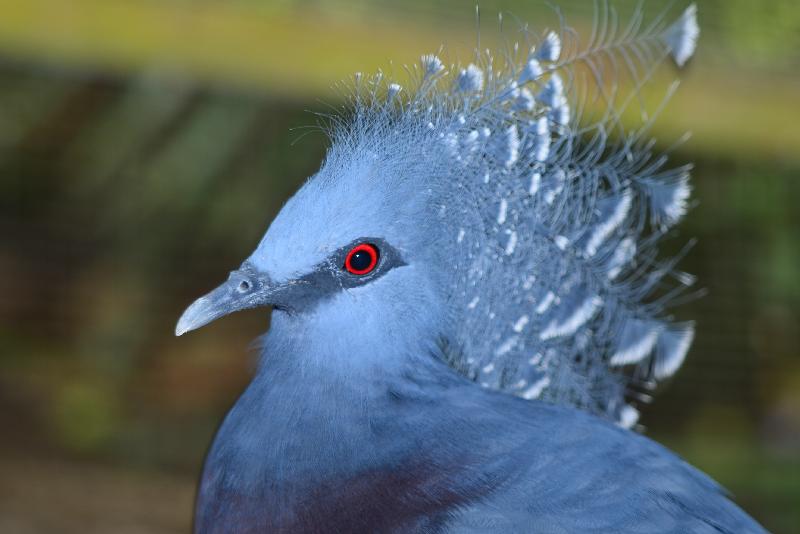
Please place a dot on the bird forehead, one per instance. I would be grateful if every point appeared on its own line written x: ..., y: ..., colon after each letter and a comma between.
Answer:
x: 326, y: 214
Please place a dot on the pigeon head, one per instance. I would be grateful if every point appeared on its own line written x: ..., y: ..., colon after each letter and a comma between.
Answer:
x: 356, y: 245
x: 487, y: 210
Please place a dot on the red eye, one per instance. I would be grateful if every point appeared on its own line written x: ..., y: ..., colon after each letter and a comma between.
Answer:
x: 362, y: 259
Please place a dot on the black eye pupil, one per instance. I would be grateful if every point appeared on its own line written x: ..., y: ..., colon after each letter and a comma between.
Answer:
x: 361, y: 260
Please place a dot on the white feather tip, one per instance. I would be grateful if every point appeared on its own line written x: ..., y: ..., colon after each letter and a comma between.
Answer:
x: 682, y: 36
x: 431, y: 65
x: 550, y: 47
x: 671, y: 349
x: 470, y: 79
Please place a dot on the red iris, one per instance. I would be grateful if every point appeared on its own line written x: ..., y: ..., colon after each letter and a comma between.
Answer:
x: 362, y: 259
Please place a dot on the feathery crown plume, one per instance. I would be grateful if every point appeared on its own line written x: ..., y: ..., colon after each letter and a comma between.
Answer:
x: 551, y: 212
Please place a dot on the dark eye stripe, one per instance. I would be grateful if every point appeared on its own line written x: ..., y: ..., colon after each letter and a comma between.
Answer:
x: 361, y: 259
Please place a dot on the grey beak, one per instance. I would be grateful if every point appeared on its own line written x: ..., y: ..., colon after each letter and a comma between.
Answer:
x: 244, y: 289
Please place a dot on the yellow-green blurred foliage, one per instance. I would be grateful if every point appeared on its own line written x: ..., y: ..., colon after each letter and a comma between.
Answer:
x: 145, y: 146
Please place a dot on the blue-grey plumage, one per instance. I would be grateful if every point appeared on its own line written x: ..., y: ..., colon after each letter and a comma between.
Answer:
x: 470, y: 239
x: 414, y: 447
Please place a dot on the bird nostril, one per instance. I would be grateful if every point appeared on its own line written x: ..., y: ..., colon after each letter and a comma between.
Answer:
x: 244, y: 286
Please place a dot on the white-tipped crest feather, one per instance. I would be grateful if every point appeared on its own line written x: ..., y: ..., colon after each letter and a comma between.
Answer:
x: 550, y: 48
x: 470, y: 79
x: 671, y: 348
x: 682, y: 36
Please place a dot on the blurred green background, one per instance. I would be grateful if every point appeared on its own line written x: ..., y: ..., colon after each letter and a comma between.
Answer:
x: 145, y: 146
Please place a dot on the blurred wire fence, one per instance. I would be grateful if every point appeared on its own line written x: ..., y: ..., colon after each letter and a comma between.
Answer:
x: 145, y: 146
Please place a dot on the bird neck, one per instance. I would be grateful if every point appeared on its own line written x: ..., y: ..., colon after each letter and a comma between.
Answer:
x: 368, y: 353
x: 340, y: 429
x: 319, y: 407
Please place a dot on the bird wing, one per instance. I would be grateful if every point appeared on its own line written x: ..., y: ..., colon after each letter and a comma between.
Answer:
x: 583, y: 474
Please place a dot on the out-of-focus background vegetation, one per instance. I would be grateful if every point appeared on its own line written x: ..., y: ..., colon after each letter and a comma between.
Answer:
x: 145, y: 145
